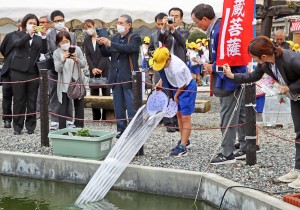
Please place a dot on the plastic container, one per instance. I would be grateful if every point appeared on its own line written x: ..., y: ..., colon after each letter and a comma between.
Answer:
x: 95, y: 148
x: 276, y: 112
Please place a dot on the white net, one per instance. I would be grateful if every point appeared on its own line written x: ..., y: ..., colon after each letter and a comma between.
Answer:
x: 135, y: 135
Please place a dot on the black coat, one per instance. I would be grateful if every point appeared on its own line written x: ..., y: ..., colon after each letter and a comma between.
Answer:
x: 180, y: 36
x: 7, y: 50
x: 94, y: 58
x: 26, y: 54
x: 119, y: 51
x: 288, y: 65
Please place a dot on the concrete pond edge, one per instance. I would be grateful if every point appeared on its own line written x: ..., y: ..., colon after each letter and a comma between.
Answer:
x: 172, y: 182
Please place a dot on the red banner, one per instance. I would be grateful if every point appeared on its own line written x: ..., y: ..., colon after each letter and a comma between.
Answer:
x: 236, y: 32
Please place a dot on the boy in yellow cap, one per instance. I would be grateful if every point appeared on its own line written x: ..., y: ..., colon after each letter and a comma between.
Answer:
x: 179, y: 76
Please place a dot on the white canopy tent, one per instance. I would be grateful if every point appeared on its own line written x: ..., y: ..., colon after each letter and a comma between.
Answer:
x: 105, y: 11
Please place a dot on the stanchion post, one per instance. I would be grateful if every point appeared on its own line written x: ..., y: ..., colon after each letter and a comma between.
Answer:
x: 250, y: 128
x: 138, y: 96
x: 44, y: 113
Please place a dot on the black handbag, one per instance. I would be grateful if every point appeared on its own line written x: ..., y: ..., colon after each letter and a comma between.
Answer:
x: 98, y: 82
x: 48, y: 63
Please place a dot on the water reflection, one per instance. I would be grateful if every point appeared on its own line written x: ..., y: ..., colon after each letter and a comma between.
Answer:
x: 29, y: 194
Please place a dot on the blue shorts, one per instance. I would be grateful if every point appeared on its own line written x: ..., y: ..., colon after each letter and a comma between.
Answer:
x: 186, y: 100
x: 195, y: 69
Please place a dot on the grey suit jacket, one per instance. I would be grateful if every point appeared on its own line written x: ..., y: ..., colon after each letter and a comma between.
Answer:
x: 288, y: 65
x: 180, y: 36
x: 51, y: 40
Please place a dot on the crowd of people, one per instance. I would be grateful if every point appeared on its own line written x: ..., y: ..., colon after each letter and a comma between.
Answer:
x: 172, y: 62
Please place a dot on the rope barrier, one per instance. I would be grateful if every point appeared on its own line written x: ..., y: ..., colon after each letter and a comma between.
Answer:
x: 18, y: 115
x: 22, y: 81
x: 111, y: 84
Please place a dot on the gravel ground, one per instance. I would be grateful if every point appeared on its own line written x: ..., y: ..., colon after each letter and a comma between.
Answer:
x: 276, y: 158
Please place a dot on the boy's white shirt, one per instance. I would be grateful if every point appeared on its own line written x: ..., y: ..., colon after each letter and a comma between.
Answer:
x: 194, y: 54
x: 178, y: 74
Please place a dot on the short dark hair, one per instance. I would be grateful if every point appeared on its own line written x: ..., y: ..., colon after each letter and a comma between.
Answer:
x: 60, y: 35
x: 160, y: 16
x: 56, y: 13
x: 26, y: 18
x: 176, y: 9
x: 203, y: 10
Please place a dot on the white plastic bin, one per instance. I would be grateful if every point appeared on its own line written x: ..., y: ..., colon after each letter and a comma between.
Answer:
x: 277, y: 113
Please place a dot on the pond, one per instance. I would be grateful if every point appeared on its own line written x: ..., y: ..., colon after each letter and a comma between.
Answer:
x: 30, y: 194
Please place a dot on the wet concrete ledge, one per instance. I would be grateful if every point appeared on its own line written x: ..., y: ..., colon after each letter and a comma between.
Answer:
x: 163, y: 181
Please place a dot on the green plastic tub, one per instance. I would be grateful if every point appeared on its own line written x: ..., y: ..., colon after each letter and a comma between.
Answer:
x: 95, y: 148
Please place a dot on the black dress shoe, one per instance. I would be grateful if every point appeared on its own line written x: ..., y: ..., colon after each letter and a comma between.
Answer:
x: 30, y: 132
x: 7, y: 124
x: 119, y: 135
x: 17, y: 132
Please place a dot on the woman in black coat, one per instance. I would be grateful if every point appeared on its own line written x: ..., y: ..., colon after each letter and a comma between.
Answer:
x: 28, y: 46
x: 98, y: 64
x: 284, y: 67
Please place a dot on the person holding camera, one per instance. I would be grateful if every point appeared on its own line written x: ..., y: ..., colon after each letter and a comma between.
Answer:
x: 58, y: 19
x: 204, y: 17
x: 68, y: 61
x: 28, y: 46
x: 173, y: 37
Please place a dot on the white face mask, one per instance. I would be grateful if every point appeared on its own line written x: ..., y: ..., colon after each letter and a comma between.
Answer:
x: 29, y: 27
x: 90, y: 31
x: 121, y: 29
x: 65, y: 47
x: 60, y: 25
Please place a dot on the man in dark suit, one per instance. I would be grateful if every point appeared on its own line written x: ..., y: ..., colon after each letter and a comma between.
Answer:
x: 7, y: 51
x: 119, y: 48
x: 58, y: 18
x: 173, y: 37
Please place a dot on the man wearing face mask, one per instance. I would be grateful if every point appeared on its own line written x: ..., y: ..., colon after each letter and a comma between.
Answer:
x: 120, y: 48
x: 58, y: 19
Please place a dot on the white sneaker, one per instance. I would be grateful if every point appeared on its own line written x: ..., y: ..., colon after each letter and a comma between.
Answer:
x: 295, y: 184
x: 53, y: 126
x: 70, y: 124
x: 290, y: 177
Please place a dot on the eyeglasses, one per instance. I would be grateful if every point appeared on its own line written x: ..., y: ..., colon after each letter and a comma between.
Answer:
x: 43, y: 22
x: 59, y: 21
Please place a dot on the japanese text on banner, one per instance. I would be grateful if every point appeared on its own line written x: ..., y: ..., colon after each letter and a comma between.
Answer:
x: 236, y: 32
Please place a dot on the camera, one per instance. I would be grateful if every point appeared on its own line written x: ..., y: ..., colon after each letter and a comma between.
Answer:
x: 219, y: 69
x: 170, y: 19
x: 39, y: 28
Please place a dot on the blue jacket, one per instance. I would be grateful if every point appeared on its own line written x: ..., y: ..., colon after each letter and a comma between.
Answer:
x: 221, y: 81
x: 119, y: 51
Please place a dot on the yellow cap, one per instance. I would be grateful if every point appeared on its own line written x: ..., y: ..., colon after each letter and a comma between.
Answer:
x: 204, y: 40
x: 160, y: 57
x: 147, y: 39
x: 296, y: 47
x: 198, y: 41
x: 291, y: 43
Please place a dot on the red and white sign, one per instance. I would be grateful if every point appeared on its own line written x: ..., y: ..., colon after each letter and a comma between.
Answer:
x: 236, y: 32
x: 295, y: 25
